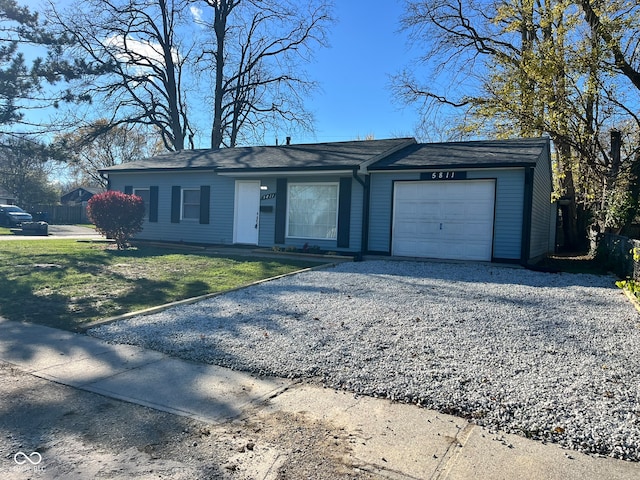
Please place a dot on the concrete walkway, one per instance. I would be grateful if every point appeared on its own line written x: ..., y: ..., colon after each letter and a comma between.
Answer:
x: 392, y: 440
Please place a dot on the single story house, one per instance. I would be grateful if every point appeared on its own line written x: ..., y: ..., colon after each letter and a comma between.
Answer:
x: 479, y: 200
x: 79, y: 195
x: 6, y: 198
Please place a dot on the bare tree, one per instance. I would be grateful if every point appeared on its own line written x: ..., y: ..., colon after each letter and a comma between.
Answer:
x: 616, y: 23
x: 257, y: 51
x: 100, y: 145
x: 137, y: 45
x: 525, y: 68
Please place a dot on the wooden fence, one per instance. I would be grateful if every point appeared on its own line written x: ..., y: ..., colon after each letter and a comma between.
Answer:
x: 60, y: 214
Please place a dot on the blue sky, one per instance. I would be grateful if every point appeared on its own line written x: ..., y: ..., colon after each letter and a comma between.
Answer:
x: 354, y: 74
x: 355, y: 98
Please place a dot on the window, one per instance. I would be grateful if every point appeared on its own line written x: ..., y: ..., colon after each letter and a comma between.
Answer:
x: 190, y: 204
x: 143, y: 193
x: 312, y: 210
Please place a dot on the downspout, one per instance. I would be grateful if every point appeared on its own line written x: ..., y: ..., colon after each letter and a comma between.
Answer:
x: 364, y: 239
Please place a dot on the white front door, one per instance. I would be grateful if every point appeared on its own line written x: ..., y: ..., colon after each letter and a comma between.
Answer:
x: 247, y: 212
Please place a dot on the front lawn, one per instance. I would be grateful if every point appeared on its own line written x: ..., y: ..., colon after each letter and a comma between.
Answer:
x: 5, y: 231
x: 66, y: 283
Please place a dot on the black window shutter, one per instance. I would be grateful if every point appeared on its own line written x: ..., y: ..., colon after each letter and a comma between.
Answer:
x: 344, y: 212
x: 175, y: 204
x: 205, y: 193
x: 153, y: 204
x: 128, y: 189
x: 281, y: 210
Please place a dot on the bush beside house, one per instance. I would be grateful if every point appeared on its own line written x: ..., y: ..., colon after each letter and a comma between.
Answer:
x: 117, y: 215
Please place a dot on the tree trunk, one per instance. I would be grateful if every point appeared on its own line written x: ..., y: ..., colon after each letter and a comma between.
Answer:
x: 572, y: 237
x: 172, y: 89
x: 220, y: 27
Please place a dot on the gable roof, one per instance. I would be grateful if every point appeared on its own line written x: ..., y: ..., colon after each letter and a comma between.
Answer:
x: 93, y: 190
x: 521, y: 152
x: 304, y: 157
x: 81, y: 193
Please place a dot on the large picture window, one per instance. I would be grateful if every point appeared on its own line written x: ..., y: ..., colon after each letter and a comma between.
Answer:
x: 190, y: 204
x: 312, y: 210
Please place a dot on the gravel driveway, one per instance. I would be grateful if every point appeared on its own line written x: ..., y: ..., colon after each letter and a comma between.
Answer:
x: 554, y: 357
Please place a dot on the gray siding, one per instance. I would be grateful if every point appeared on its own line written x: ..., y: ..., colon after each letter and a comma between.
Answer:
x: 509, y: 206
x: 222, y: 204
x: 380, y: 208
x: 542, y: 211
x: 507, y: 230
x: 220, y: 228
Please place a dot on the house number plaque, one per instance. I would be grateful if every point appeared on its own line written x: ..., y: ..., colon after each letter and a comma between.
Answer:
x: 444, y: 175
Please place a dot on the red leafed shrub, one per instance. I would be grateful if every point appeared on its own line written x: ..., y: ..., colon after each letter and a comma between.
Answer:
x: 116, y: 215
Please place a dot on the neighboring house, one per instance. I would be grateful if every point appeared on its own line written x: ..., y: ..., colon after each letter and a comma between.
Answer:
x: 6, y: 198
x: 80, y: 195
x: 484, y: 200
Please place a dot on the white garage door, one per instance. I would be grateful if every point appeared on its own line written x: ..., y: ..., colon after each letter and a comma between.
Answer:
x: 446, y: 219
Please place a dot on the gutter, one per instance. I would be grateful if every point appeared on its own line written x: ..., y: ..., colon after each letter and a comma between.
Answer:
x: 156, y: 169
x: 274, y: 172
x: 366, y: 196
x: 458, y: 166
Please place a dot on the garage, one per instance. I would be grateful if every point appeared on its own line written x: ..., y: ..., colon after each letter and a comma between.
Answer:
x: 478, y: 200
x: 444, y: 219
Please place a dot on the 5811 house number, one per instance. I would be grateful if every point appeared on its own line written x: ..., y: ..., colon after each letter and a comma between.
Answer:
x: 442, y: 175
x: 445, y: 175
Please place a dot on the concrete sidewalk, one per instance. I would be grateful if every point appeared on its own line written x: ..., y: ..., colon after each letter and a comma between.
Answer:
x: 388, y: 439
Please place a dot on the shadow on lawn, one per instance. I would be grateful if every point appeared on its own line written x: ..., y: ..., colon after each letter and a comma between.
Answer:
x: 48, y: 288
x: 62, y: 311
x: 67, y: 289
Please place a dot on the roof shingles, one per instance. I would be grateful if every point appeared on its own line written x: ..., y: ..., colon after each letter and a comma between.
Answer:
x: 379, y: 155
x: 319, y: 156
x: 484, y: 153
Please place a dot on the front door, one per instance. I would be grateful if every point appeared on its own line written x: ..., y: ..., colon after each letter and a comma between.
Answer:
x: 247, y: 212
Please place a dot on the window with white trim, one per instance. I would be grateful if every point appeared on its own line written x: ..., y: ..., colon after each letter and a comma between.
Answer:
x: 144, y: 194
x: 312, y: 210
x: 190, y: 204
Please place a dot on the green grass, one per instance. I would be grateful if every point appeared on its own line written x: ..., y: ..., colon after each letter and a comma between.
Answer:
x: 5, y: 231
x: 65, y: 283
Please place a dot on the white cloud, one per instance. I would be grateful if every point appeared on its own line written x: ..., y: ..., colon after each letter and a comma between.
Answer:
x: 140, y: 53
x: 196, y: 13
